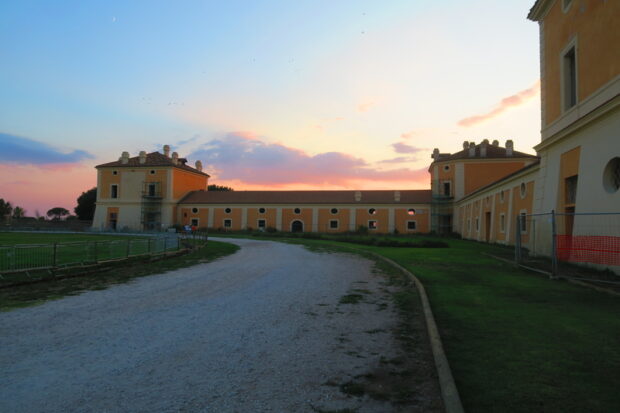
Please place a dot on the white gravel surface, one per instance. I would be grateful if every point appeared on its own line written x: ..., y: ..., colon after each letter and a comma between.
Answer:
x: 258, y: 331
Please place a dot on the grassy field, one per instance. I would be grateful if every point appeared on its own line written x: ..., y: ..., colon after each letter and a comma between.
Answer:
x: 36, y: 250
x: 121, y: 272
x: 516, y: 341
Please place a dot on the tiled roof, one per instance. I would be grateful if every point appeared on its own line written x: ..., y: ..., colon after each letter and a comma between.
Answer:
x: 418, y: 196
x: 499, y: 181
x: 493, y: 152
x: 152, y: 159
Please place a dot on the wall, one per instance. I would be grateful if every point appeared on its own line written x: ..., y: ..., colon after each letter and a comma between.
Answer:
x: 185, y: 181
x: 595, y: 23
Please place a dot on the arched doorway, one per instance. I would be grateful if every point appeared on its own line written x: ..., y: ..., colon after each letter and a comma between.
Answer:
x: 297, y: 226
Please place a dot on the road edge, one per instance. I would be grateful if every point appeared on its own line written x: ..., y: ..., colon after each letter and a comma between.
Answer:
x: 449, y: 391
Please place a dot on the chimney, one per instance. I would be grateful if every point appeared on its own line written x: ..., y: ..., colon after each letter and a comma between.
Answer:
x: 142, y: 157
x: 125, y: 157
x: 495, y: 142
x: 435, y: 154
x: 472, y: 149
x: 397, y: 196
x: 175, y: 158
x: 509, y: 147
x: 358, y: 196
x: 465, y: 145
x: 167, y: 151
x: 199, y: 165
x: 483, y: 148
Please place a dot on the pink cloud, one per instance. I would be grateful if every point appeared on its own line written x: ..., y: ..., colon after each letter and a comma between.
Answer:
x: 399, y: 159
x: 408, y: 135
x: 400, y: 147
x: 254, y: 162
x: 505, y: 104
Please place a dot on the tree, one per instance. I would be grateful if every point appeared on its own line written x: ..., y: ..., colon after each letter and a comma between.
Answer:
x: 214, y: 187
x: 19, y: 212
x: 5, y: 209
x: 85, y: 209
x: 57, y: 213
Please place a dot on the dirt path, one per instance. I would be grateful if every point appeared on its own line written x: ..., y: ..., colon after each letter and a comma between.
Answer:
x: 272, y: 328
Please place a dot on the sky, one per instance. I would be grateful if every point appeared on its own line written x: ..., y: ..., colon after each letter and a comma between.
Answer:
x: 347, y: 94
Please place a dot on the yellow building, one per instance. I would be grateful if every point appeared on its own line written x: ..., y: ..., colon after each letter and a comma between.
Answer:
x: 142, y: 193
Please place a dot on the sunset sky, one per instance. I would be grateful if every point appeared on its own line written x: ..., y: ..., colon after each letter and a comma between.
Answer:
x: 268, y: 94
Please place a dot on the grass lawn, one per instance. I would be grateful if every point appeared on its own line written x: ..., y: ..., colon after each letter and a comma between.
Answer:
x: 516, y: 341
x: 121, y: 272
x: 35, y: 250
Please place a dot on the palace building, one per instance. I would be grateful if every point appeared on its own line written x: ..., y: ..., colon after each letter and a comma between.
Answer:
x: 477, y: 192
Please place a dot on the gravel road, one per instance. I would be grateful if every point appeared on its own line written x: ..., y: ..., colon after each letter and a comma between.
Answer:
x: 262, y: 330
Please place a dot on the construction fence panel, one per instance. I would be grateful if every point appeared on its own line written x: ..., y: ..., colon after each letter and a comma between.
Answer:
x: 580, y: 238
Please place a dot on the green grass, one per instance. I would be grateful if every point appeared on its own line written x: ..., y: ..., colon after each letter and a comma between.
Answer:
x: 121, y: 272
x: 34, y: 250
x: 516, y: 341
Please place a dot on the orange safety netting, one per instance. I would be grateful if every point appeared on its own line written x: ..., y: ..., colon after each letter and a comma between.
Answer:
x: 595, y: 249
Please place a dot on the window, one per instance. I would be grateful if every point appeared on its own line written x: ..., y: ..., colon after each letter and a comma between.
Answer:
x: 297, y: 211
x: 468, y: 224
x: 151, y: 189
x: 227, y: 223
x: 446, y: 168
x: 372, y: 211
x: 570, y: 189
x: 569, y: 78
x: 194, y: 210
x: 113, y: 215
x: 114, y: 172
x: 523, y: 222
x: 411, y: 225
x: 477, y: 224
x: 261, y: 223
x: 411, y: 211
x: 611, y: 176
x: 194, y: 222
x: 334, y: 211
x: 114, y: 191
x: 152, y: 172
x: 333, y: 224
x: 523, y: 189
x: 228, y: 210
x: 501, y: 197
x: 446, y: 188
x: 261, y: 210
x: 372, y: 224
x: 502, y: 222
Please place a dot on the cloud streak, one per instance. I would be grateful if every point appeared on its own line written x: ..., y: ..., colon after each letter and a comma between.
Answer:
x: 400, y: 147
x: 255, y: 162
x: 17, y: 149
x: 505, y: 104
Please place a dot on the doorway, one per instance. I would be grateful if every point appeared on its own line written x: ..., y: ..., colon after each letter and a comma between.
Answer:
x: 297, y: 226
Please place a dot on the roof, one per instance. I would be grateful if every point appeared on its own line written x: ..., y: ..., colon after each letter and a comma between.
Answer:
x: 152, y: 159
x: 417, y: 196
x: 493, y: 152
x: 537, y: 9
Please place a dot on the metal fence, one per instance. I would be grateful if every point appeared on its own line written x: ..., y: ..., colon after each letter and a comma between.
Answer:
x: 592, y: 239
x: 43, y: 256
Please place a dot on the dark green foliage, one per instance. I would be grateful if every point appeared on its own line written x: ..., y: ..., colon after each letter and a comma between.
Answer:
x: 85, y: 209
x: 57, y: 213
x: 214, y: 187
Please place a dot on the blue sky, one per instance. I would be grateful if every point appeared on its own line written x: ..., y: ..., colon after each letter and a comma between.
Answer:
x: 358, y: 79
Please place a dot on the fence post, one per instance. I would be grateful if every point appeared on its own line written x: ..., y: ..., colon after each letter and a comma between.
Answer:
x: 128, y: 247
x: 96, y: 252
x: 55, y: 255
x: 14, y: 258
x: 178, y: 243
x: 518, y: 240
x: 148, y: 246
x: 554, y: 247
